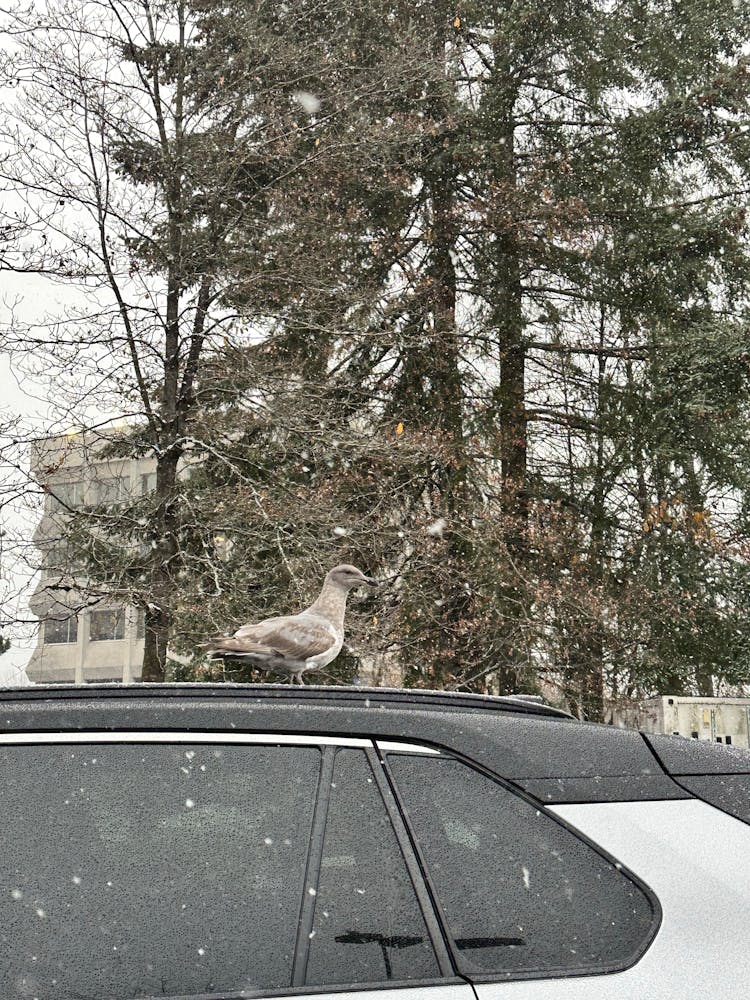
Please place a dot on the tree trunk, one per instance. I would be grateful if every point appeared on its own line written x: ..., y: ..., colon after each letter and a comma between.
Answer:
x: 165, y: 547
x: 591, y: 674
x: 444, y: 373
x: 506, y: 297
x: 155, y: 645
x: 159, y: 614
x: 592, y: 665
x: 508, y: 309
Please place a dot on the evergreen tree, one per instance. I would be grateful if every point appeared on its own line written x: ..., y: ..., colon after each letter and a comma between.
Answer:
x: 544, y: 246
x: 466, y: 293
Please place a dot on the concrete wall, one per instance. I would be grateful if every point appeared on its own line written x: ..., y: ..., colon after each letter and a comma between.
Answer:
x: 723, y: 720
x: 84, y: 660
x: 58, y: 463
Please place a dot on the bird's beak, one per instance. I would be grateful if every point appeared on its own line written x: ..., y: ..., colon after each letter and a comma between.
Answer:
x: 370, y: 581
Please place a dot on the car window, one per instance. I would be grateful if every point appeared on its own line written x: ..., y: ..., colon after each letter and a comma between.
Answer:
x: 520, y: 893
x: 151, y: 870
x: 368, y: 927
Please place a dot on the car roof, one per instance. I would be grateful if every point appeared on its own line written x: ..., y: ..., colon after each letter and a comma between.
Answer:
x: 542, y: 750
x: 307, y: 694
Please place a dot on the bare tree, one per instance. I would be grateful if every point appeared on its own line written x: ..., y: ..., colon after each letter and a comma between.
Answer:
x: 154, y: 181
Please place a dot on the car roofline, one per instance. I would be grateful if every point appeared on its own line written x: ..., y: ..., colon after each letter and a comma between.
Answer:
x: 309, y: 693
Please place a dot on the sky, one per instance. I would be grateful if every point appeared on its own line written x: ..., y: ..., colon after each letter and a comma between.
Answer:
x: 25, y: 298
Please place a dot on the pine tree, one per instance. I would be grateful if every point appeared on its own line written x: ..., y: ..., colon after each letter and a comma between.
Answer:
x: 466, y: 288
x: 552, y: 202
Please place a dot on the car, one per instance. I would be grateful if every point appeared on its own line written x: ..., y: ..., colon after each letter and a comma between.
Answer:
x: 266, y: 841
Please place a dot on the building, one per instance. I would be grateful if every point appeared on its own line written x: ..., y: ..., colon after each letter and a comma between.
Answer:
x: 102, y: 641
x: 719, y: 720
x: 81, y: 640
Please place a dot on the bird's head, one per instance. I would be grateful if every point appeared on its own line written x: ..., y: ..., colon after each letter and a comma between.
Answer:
x: 348, y: 576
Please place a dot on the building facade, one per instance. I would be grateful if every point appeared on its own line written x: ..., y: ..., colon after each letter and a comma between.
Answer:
x: 719, y: 720
x: 81, y: 638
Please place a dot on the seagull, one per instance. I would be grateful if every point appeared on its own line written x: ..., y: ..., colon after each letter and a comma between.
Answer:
x: 292, y: 644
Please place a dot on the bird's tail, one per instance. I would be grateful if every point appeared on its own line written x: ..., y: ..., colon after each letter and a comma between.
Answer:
x: 228, y: 646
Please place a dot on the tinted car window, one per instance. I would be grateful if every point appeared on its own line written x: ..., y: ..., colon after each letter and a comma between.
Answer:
x: 151, y: 870
x: 520, y: 893
x: 368, y: 927
x: 728, y: 792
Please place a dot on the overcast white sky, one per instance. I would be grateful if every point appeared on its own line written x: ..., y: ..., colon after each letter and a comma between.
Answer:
x: 28, y: 298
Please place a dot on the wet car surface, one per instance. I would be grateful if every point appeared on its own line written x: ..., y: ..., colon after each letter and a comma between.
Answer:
x: 235, y: 841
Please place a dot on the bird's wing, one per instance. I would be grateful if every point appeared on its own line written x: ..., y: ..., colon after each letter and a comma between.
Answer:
x: 296, y: 637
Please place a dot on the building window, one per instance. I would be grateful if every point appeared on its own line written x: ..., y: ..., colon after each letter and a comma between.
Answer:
x: 60, y: 559
x: 111, y: 489
x: 59, y: 631
x: 140, y: 624
x: 66, y: 496
x: 53, y: 559
x: 148, y: 482
x: 107, y: 624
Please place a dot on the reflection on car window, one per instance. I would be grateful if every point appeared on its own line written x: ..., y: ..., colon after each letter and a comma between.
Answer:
x: 368, y: 927
x: 151, y: 870
x: 520, y: 893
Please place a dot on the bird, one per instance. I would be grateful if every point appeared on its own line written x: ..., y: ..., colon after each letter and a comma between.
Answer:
x: 293, y: 644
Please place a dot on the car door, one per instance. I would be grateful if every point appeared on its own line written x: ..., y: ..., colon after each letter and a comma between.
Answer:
x: 207, y: 865
x: 621, y: 899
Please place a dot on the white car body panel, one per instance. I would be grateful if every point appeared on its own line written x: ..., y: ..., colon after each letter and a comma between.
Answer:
x: 451, y: 991
x: 696, y: 859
